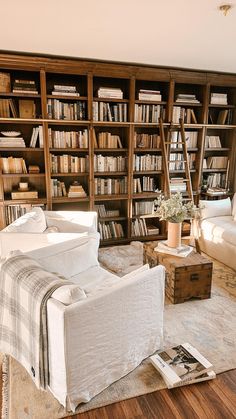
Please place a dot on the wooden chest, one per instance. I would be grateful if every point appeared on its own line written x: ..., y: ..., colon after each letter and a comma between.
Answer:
x: 187, y: 278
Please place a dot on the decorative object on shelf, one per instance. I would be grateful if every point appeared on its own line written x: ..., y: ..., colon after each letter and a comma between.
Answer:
x: 10, y: 133
x: 24, y: 192
x: 23, y: 186
x: 175, y: 211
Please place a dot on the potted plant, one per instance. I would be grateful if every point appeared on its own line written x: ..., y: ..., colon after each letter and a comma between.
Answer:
x: 174, y: 210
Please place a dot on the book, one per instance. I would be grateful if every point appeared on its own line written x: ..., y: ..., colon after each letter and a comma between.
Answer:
x: 181, y: 251
x: 24, y: 195
x: 26, y: 109
x: 5, y: 82
x: 182, y: 364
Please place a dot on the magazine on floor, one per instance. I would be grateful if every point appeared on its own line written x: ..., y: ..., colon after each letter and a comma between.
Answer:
x: 181, y: 365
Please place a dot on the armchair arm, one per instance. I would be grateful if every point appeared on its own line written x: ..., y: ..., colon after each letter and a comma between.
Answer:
x: 108, y: 335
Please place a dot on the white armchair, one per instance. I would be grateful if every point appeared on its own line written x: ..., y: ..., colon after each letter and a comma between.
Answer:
x: 98, y: 338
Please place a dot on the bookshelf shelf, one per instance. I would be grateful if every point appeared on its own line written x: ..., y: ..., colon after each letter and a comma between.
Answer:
x: 142, y: 92
x: 69, y: 150
x: 110, y: 150
x: 9, y: 175
x: 68, y: 98
x: 69, y: 174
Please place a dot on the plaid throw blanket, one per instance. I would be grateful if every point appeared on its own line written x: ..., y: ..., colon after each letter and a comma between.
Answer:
x: 24, y: 290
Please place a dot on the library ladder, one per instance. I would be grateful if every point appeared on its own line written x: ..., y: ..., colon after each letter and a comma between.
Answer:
x: 168, y: 146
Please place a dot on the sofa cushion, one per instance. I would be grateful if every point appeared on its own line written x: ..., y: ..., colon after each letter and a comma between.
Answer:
x: 31, y: 222
x: 72, y: 221
x: 69, y: 294
x: 218, y: 229
x: 218, y: 208
x: 71, y: 257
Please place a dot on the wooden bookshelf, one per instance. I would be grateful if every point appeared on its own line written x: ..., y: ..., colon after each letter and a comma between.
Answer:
x: 139, y: 119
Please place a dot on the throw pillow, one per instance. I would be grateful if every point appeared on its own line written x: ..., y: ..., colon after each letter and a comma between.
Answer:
x: 71, y: 257
x: 31, y: 222
x: 218, y: 208
x: 52, y: 229
x: 69, y: 294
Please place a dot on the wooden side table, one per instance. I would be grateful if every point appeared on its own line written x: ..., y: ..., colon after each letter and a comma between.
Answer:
x: 186, y: 278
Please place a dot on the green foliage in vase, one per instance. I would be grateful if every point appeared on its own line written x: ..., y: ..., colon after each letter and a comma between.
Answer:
x: 174, y: 209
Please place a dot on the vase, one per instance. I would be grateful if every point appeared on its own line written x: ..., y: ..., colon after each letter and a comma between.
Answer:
x: 174, y: 234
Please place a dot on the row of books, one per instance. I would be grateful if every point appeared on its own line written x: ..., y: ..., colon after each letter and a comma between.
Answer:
x: 103, y: 212
x: 223, y: 117
x: 181, y: 365
x: 147, y: 162
x: 37, y: 136
x: 75, y: 111
x: 64, y: 90
x: 110, y: 230
x: 8, y: 108
x: 190, y: 136
x: 69, y: 164
x: 146, y: 140
x: 143, y: 207
x: 216, y: 180
x: 186, y: 114
x: 215, y: 162
x: 144, y: 184
x: 68, y: 139
x: 140, y: 228
x: 107, y: 186
x: 177, y: 161
x: 13, y: 165
x: 14, y: 211
x: 111, y: 112
x: 106, y: 140
x: 212, y: 141
x: 148, y: 113
x: 152, y: 95
x: 109, y: 163
x: 58, y: 189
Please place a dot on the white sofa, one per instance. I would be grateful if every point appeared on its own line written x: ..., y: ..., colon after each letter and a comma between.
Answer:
x: 218, y: 230
x: 98, y: 339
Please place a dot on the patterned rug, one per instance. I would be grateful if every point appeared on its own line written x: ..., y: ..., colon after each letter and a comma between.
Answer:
x: 207, y: 324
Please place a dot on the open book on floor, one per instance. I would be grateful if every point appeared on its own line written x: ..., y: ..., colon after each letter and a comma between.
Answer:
x: 182, y: 365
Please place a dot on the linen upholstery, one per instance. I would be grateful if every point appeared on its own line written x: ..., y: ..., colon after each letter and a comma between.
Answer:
x: 24, y: 291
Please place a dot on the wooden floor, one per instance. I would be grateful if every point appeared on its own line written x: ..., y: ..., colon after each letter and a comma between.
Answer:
x: 214, y: 399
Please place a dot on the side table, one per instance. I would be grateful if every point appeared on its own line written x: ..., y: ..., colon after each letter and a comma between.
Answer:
x: 186, y: 278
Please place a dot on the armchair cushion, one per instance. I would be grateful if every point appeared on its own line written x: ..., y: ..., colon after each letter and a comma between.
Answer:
x: 31, y: 222
x: 71, y: 257
x: 219, y: 208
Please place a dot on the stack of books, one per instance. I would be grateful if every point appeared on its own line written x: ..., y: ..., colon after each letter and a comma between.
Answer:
x: 110, y: 93
x: 177, y: 184
x: 181, y: 251
x: 152, y: 95
x: 61, y: 90
x: 188, y: 98
x: 76, y: 191
x: 212, y: 141
x: 216, y: 191
x: 25, y: 86
x: 11, y: 140
x: 219, y: 99
x: 181, y: 365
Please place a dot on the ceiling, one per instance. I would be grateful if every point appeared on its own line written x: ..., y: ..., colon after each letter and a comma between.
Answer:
x: 183, y: 33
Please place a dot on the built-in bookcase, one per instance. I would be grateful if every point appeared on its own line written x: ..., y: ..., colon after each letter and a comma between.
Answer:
x: 92, y: 138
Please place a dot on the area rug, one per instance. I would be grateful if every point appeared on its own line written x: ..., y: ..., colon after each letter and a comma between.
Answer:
x: 208, y: 325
